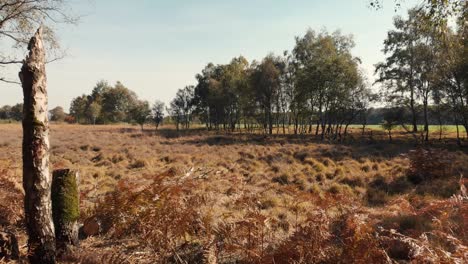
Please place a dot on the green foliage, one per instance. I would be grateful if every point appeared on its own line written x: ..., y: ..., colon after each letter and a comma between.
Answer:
x: 318, y: 82
x: 266, y: 82
x: 12, y: 112
x: 107, y: 104
x: 182, y: 107
x: 140, y: 112
x: 157, y: 113
x: 57, y: 114
x: 438, y: 12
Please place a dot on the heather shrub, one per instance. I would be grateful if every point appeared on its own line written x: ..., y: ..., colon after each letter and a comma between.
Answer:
x: 427, y: 164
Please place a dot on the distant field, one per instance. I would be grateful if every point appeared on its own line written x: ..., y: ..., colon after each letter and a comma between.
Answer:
x: 432, y: 128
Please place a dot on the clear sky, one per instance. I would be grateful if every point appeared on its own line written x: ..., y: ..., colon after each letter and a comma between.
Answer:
x: 155, y: 47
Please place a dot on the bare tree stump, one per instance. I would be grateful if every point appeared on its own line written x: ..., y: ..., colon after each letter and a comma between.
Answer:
x: 65, y: 208
x: 36, y: 175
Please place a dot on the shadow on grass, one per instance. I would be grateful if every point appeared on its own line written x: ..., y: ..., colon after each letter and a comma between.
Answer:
x: 354, y: 145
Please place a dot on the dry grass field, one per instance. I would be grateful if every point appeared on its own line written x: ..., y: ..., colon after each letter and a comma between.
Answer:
x: 201, y: 197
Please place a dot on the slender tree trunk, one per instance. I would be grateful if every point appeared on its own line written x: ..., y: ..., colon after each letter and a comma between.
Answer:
x: 284, y: 122
x: 65, y: 208
x: 439, y: 120
x: 411, y: 86
x: 270, y: 122
x: 36, y: 176
x: 346, y: 130
x: 413, y: 113
x: 426, y: 121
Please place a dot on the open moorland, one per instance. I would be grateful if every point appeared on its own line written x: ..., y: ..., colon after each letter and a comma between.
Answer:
x: 204, y: 197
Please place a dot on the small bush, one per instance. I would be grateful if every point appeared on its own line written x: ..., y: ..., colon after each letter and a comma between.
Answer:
x: 399, y: 185
x: 440, y: 188
x: 428, y: 164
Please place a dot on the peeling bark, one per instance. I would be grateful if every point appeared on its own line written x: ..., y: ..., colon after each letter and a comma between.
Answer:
x: 36, y: 176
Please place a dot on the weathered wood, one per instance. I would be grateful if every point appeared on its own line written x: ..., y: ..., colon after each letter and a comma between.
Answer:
x: 65, y: 208
x: 36, y: 176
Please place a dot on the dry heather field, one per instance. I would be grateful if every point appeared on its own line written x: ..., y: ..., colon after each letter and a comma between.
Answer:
x: 201, y: 197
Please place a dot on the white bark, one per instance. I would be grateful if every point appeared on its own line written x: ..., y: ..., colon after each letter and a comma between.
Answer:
x: 36, y: 176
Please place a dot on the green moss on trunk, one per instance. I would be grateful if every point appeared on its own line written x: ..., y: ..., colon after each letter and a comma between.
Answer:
x: 65, y: 207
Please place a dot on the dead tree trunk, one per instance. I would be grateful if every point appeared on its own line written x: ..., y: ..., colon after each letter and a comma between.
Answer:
x: 36, y: 175
x: 65, y: 208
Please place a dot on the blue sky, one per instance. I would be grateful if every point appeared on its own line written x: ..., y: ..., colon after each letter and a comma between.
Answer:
x: 155, y: 47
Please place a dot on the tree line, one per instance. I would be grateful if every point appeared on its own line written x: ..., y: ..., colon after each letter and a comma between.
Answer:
x: 317, y: 88
x: 112, y: 104
x: 15, y: 113
x: 425, y: 67
x: 318, y: 83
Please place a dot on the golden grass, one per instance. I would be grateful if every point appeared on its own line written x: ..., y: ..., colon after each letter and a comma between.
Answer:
x: 239, y: 179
